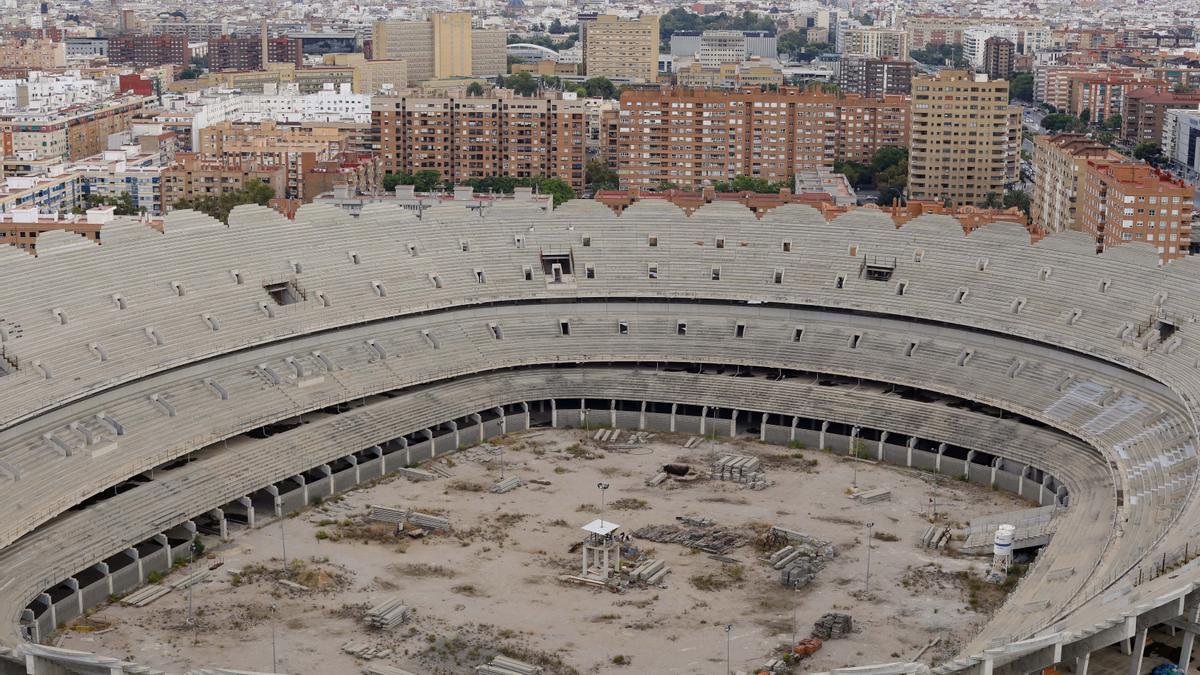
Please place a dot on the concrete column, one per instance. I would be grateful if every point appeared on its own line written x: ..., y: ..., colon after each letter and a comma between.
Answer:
x: 941, y: 450
x: 328, y: 471
x: 852, y: 448
x: 102, y: 568
x: 248, y: 504
x: 454, y: 428
x: 967, y: 466
x: 73, y: 584
x: 554, y: 413
x: 525, y: 407
x: 995, y: 466
x: 1042, y: 489
x: 792, y: 430
x: 821, y: 438
x: 357, y: 479
x: 299, y: 478
x: 1139, y: 647
x: 762, y: 428
x: 883, y: 436
x: 733, y: 424
x: 403, y: 443
x: 612, y: 413
x: 499, y: 410
x: 45, y: 598
x: 1189, y: 638
x: 221, y: 522
x: 137, y: 560
x: 584, y: 420
x: 642, y: 418
x: 674, y: 408
x: 1021, y: 481
x: 912, y: 443
x: 30, y: 623
x: 478, y: 419
x: 161, y: 540
x: 276, y: 500
x: 704, y: 419
x: 1081, y: 663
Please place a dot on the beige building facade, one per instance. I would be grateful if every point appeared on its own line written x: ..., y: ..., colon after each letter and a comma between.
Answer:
x: 1060, y: 162
x: 621, y: 48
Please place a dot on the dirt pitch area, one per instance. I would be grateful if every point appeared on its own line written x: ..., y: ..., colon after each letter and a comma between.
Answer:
x: 492, y: 584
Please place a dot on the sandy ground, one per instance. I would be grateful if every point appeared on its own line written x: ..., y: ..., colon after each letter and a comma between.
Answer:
x: 493, y: 582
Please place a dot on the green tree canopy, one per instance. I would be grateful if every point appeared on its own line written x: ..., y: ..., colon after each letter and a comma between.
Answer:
x: 1148, y: 151
x: 599, y: 176
x: 1060, y: 122
x: 555, y: 187
x: 749, y: 184
x: 123, y: 202
x: 600, y: 87
x: 219, y: 206
x: 1017, y: 198
x: 1020, y: 87
x: 681, y: 19
x: 425, y: 180
x: 524, y: 84
x: 940, y: 54
x: 475, y: 89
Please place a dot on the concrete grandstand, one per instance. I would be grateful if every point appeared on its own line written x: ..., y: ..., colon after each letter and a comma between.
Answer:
x: 404, y: 335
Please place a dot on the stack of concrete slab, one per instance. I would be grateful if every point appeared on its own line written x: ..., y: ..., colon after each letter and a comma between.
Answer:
x: 743, y: 469
x: 872, y: 496
x: 145, y: 596
x: 385, y: 670
x: 190, y: 580
x: 696, y: 522
x: 801, y: 558
x: 429, y: 522
x: 480, y: 453
x: 507, y: 485
x: 657, y: 479
x: 502, y: 665
x: 388, y: 614
x: 417, y: 474
x: 710, y: 540
x: 652, y: 571
x: 833, y: 626
x: 692, y: 442
x: 365, y: 651
x: 441, y: 468
x: 935, y: 537
x: 386, y: 514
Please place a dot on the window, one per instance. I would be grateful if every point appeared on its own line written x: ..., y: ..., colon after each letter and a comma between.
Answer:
x: 681, y: 328
x: 494, y: 329
x: 528, y: 273
x: 464, y: 245
x: 965, y: 357
x: 652, y: 271
x: 716, y: 273
x: 960, y: 296
x: 839, y: 281
x: 910, y: 349
x: 855, y: 340
x: 777, y: 277
x: 589, y: 271
x: 354, y: 258
x: 797, y: 333
x: 479, y: 278
x: 720, y: 242
x: 296, y: 267
x: 787, y: 247
x: 739, y: 330
x: 652, y: 241
x: 1017, y: 305
x: 902, y: 288
x: 982, y: 264
x: 519, y: 241
x: 380, y: 291
x: 564, y: 328
x: 1104, y: 284
x: 918, y: 255
x: 622, y: 328
x: 587, y: 241
x: 437, y: 280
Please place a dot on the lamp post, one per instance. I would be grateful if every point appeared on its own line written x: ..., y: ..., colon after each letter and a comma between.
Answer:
x: 603, y: 487
x: 283, y: 541
x: 728, y: 668
x: 867, y: 583
x: 274, y: 662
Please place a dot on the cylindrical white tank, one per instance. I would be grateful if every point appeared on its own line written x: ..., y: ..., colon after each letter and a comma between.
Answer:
x: 1002, y: 543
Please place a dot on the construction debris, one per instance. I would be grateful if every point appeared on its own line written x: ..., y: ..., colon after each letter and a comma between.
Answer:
x: 692, y: 442
x: 190, y: 580
x: 657, y: 479
x: 435, y: 523
x: 743, y: 469
x: 833, y: 626
x: 385, y: 670
x: 651, y: 571
x: 872, y: 496
x: 417, y: 474
x: 481, y: 453
x: 293, y: 585
x: 386, y: 514
x: 802, y: 556
x: 441, y: 468
x: 502, y: 665
x: 935, y: 537
x: 365, y: 651
x: 710, y: 540
x: 388, y: 614
x: 696, y: 522
x: 507, y: 485
x: 145, y: 596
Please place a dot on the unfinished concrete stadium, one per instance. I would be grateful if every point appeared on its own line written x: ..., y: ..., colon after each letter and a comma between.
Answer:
x: 216, y: 378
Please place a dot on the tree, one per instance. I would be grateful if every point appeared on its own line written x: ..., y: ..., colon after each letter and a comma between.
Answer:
x: 123, y: 202
x: 599, y: 176
x: 523, y: 84
x: 1020, y: 87
x: 681, y: 19
x: 939, y: 55
x: 1112, y: 122
x: 887, y: 173
x: 867, y: 20
x: 556, y: 188
x: 749, y: 184
x: 992, y: 201
x: 600, y: 87
x: 1181, y: 88
x: 1148, y: 151
x: 791, y: 43
x: 1085, y: 116
x: 1060, y: 122
x: 475, y: 89
x: 1017, y: 198
x: 219, y: 206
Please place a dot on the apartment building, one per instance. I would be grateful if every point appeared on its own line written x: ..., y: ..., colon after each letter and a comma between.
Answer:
x: 722, y: 46
x: 1124, y: 201
x: 999, y: 58
x: 615, y: 47
x: 693, y: 138
x: 193, y: 176
x: 729, y: 75
x: 70, y: 133
x: 1145, y: 111
x: 932, y: 29
x: 1103, y: 94
x: 874, y: 77
x: 464, y: 138
x: 1181, y: 138
x: 1059, y: 164
x: 445, y: 46
x: 149, y: 50
x: 965, y: 138
x: 113, y: 173
x: 56, y: 192
x: 246, y: 53
x: 875, y: 43
x: 32, y: 54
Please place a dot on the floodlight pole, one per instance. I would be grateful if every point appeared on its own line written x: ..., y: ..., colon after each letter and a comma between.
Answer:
x: 274, y: 662
x: 603, y: 487
x: 867, y: 582
x: 728, y: 662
